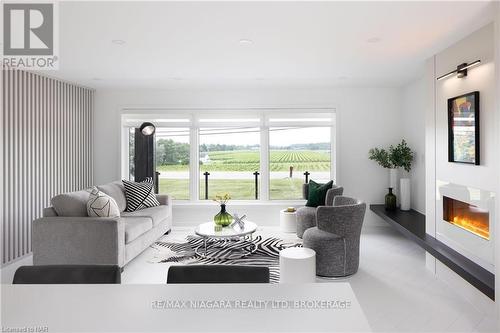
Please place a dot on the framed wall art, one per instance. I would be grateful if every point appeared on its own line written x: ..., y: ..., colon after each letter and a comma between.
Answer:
x: 463, y: 129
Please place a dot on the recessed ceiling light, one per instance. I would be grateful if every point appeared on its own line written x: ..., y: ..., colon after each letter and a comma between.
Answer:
x: 118, y: 41
x: 245, y: 41
x: 342, y: 78
x: 373, y: 40
x: 96, y: 79
x: 176, y: 78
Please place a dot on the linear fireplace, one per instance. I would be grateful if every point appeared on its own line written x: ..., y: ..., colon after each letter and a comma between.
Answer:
x: 467, y: 216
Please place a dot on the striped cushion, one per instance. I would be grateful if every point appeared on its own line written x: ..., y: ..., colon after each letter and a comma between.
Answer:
x: 139, y: 195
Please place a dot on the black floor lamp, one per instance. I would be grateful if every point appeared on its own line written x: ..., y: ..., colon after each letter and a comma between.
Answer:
x: 144, y: 157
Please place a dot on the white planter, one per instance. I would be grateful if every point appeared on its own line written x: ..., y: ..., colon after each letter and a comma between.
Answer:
x: 405, y: 191
x: 394, y: 182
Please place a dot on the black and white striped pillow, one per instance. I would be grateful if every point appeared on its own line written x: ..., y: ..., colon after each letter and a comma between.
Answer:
x: 139, y: 195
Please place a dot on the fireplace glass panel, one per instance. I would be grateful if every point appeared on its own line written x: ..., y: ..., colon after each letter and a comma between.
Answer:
x: 467, y: 217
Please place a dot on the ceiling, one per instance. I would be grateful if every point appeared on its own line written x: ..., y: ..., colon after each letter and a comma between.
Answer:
x: 199, y: 44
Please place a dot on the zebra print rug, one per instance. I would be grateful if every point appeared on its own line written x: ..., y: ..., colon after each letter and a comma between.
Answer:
x: 222, y: 252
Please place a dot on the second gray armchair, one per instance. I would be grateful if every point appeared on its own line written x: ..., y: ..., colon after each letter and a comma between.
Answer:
x: 336, y: 238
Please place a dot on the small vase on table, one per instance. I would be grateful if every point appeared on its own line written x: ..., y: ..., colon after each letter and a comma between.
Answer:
x: 223, y: 218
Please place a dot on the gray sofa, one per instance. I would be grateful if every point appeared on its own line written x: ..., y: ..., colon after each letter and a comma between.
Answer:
x: 66, y: 235
x: 306, y: 216
x: 336, y: 237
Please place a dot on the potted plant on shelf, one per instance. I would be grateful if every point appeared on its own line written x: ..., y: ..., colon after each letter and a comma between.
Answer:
x: 395, y: 157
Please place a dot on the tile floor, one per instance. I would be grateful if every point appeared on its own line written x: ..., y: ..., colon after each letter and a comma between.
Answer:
x: 396, y: 291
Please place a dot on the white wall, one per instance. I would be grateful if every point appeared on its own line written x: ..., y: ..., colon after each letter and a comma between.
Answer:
x: 478, y: 45
x: 413, y: 125
x: 367, y: 117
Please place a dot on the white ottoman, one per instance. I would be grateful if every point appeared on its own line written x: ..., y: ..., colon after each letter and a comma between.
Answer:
x: 297, y: 265
x: 288, y: 221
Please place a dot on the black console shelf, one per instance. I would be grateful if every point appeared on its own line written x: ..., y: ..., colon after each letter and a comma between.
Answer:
x: 412, y: 225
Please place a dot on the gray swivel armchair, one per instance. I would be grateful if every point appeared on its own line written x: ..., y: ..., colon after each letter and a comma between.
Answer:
x: 336, y: 237
x: 306, y: 216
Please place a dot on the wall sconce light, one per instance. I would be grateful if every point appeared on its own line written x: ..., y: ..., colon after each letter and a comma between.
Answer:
x: 461, y: 70
x: 147, y: 129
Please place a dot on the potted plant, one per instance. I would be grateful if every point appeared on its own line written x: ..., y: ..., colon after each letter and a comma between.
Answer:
x: 393, y: 158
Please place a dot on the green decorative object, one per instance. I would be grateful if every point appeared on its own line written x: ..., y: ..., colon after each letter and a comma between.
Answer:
x: 223, y: 218
x: 317, y: 193
x: 390, y: 201
x: 399, y: 156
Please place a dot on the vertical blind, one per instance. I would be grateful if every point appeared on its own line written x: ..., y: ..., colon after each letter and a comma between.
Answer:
x: 46, y: 150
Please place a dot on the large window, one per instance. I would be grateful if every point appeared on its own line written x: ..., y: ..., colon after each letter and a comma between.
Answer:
x: 268, y: 156
x: 229, y: 159
x: 297, y: 152
x: 172, y: 161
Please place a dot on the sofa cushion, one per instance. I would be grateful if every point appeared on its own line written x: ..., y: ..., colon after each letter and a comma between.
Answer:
x: 135, y: 227
x: 101, y: 205
x: 117, y: 192
x: 139, y: 195
x: 156, y: 214
x: 71, y: 203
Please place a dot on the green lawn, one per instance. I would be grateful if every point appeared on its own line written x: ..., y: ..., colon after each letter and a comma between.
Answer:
x: 241, y: 189
x: 248, y: 161
x: 177, y: 188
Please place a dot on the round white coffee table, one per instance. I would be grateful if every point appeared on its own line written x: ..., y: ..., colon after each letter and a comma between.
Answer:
x: 288, y: 221
x: 297, y: 265
x: 225, y: 238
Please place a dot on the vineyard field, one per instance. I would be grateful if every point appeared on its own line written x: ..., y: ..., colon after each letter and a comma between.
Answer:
x: 248, y: 160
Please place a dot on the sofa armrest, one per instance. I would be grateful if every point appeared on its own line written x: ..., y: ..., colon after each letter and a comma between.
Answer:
x: 78, y: 240
x: 164, y: 199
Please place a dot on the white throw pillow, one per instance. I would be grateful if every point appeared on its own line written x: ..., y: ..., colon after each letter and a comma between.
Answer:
x: 101, y: 205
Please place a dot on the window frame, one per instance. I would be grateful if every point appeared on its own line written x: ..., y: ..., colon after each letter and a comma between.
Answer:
x: 194, y: 120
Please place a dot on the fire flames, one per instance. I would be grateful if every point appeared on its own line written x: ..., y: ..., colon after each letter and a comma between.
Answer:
x: 476, y: 226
